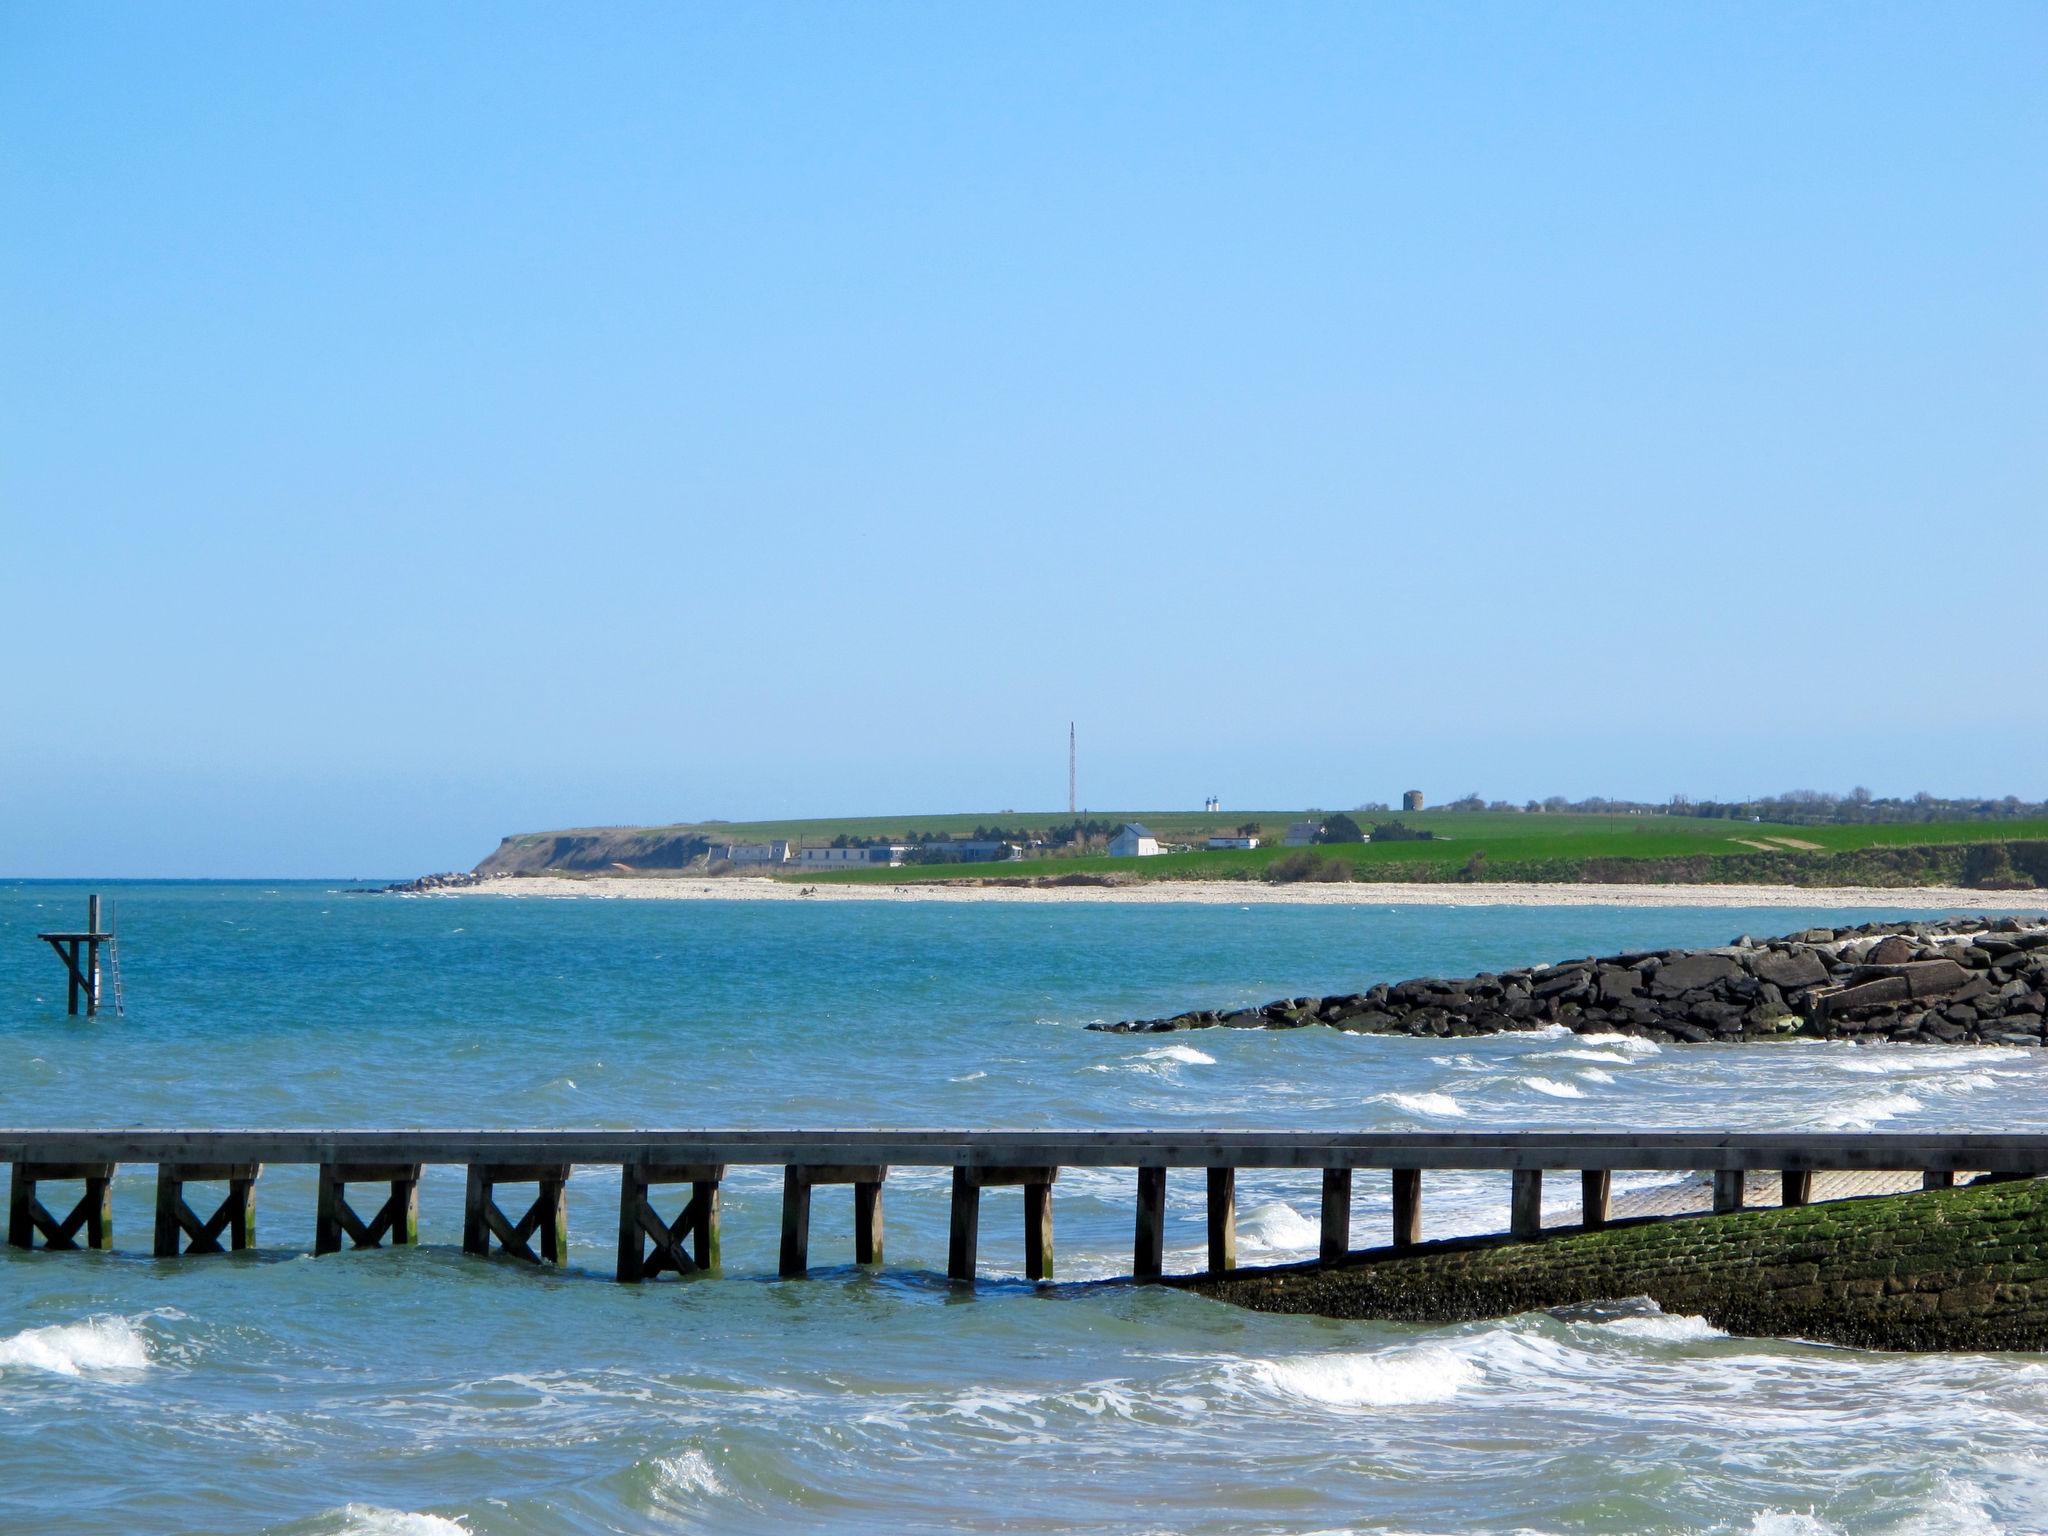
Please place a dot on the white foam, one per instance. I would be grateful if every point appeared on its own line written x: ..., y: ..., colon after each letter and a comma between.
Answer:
x: 369, y: 1520
x: 1779, y: 1522
x: 1595, y: 1075
x: 1390, y: 1379
x: 1605, y: 1058
x: 1632, y: 1045
x: 1863, y: 1114
x: 690, y: 1472
x: 1440, y: 1105
x: 1554, y: 1088
x: 76, y: 1349
x: 1276, y: 1224
x: 1676, y: 1328
x: 1187, y: 1055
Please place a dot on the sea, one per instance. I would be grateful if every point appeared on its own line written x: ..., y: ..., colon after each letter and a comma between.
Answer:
x: 418, y: 1392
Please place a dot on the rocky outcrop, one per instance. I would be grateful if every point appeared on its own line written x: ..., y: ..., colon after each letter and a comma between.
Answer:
x: 1948, y: 1269
x: 1969, y: 980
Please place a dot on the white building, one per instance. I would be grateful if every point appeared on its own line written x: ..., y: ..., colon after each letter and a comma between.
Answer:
x: 1133, y: 842
x: 1301, y: 834
x: 889, y: 854
x: 1233, y: 842
x: 753, y: 853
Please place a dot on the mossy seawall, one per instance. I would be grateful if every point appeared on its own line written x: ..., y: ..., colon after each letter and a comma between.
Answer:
x: 1960, y: 1269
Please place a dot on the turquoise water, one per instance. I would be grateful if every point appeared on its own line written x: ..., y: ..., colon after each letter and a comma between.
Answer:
x: 419, y: 1391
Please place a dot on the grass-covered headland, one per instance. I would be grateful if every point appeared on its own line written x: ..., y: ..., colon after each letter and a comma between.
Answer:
x: 1946, y: 1269
x: 2002, y: 853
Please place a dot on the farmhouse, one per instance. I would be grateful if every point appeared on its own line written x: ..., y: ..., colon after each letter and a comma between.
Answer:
x: 1301, y: 834
x: 1135, y: 841
x: 1233, y: 842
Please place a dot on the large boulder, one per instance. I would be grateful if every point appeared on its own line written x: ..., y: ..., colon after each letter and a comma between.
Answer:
x: 1691, y: 973
x: 1790, y: 968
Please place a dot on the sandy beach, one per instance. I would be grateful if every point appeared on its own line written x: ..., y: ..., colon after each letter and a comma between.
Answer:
x: 1249, y: 893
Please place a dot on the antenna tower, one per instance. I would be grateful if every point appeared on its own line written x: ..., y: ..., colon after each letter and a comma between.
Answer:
x: 1073, y: 802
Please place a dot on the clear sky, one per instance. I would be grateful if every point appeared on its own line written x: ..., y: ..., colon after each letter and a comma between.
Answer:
x: 420, y: 423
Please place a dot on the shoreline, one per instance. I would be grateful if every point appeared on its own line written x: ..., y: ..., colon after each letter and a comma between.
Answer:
x: 1254, y: 893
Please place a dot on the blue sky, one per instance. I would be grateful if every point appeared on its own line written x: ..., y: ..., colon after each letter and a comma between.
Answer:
x: 421, y: 423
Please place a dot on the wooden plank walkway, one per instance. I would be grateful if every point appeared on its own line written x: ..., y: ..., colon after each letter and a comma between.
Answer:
x: 689, y: 1242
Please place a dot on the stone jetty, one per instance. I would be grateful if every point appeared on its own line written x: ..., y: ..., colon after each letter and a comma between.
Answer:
x: 1978, y: 981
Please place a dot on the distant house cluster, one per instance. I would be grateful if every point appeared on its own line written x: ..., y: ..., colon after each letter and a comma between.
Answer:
x: 1134, y: 840
x: 885, y: 855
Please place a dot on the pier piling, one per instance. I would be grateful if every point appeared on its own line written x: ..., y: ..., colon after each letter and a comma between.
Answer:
x: 1148, y: 1243
x: 1727, y: 1190
x: 178, y: 1227
x: 1795, y: 1186
x: 1336, y: 1234
x: 689, y: 1244
x: 1525, y: 1203
x: 92, y: 1215
x: 1596, y: 1197
x: 548, y: 1215
x: 1407, y: 1207
x: 80, y: 953
x: 964, y: 1234
x: 797, y: 1181
x: 1222, y: 1219
x: 397, y: 1219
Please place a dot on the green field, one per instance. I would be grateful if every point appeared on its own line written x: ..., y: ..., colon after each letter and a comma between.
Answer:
x: 1468, y: 844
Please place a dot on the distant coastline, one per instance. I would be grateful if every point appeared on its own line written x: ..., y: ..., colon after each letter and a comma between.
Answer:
x: 1243, y: 893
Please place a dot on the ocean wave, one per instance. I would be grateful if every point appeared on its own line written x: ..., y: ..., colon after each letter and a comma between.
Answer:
x: 1595, y: 1075
x: 370, y: 1520
x: 77, y: 1349
x: 1783, y: 1522
x: 1395, y: 1378
x: 1632, y: 1045
x: 1665, y: 1328
x: 1278, y: 1225
x: 1865, y: 1113
x: 1604, y: 1058
x: 1440, y: 1105
x: 689, y: 1473
x: 1554, y: 1088
x: 1186, y: 1055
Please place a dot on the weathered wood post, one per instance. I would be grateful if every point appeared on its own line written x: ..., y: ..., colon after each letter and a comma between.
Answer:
x: 1148, y: 1243
x: 1795, y: 1187
x: 1038, y: 1226
x: 1407, y: 1207
x: 1525, y: 1203
x: 964, y: 1229
x: 965, y: 1234
x: 696, y: 1228
x: 1596, y: 1197
x: 797, y: 1181
x: 1222, y: 1219
x: 1728, y: 1195
x: 93, y: 1214
x: 1942, y: 1180
x: 548, y: 1215
x: 177, y: 1221
x: 1336, y: 1234
x: 398, y: 1218
x: 80, y: 953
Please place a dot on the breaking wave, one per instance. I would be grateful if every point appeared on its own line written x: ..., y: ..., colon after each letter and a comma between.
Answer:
x: 1440, y: 1105
x: 1554, y: 1088
x: 1279, y: 1225
x: 1392, y: 1379
x: 77, y: 1349
x: 369, y: 1520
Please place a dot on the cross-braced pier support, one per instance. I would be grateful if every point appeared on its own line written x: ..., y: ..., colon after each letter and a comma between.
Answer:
x: 689, y: 1244
x: 178, y: 1227
x: 965, y: 1233
x: 548, y: 1215
x: 797, y: 1179
x: 92, y: 1215
x: 397, y: 1219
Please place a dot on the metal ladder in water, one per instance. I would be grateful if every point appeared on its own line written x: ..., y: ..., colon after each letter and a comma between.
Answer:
x: 114, y: 966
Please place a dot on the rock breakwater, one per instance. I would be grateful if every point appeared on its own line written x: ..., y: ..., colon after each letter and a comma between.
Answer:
x: 1966, y: 980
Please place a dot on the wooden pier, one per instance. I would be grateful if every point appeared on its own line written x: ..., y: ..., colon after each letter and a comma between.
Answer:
x: 643, y: 1164
x: 80, y: 953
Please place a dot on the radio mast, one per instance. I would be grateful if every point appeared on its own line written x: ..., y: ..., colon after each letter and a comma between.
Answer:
x: 1073, y: 802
